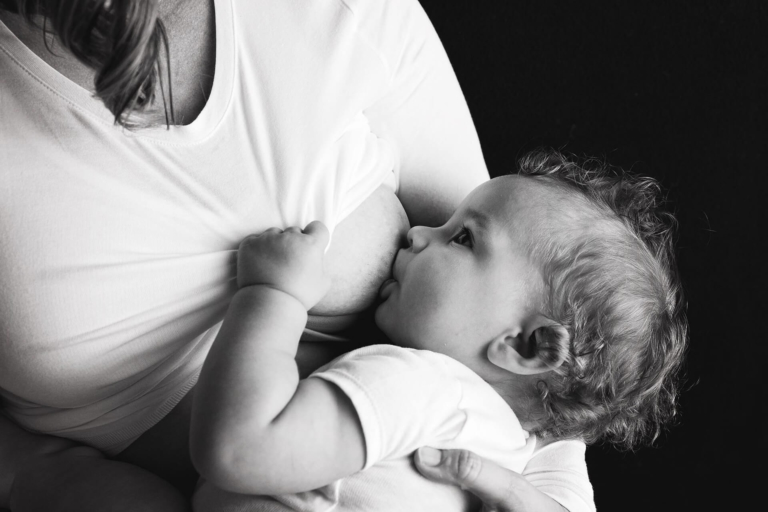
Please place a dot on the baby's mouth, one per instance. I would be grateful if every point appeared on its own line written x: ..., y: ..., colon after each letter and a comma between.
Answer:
x: 385, y: 286
x: 388, y: 284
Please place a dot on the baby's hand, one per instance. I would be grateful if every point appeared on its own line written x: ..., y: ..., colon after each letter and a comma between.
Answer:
x: 290, y: 261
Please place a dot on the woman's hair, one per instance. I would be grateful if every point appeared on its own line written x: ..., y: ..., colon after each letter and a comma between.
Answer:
x: 124, y: 41
x: 612, y: 285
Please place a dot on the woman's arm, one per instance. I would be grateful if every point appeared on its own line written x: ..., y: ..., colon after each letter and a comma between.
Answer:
x: 18, y: 449
x: 498, y: 488
x: 256, y: 429
x: 554, y: 480
x: 46, y: 474
x: 424, y: 113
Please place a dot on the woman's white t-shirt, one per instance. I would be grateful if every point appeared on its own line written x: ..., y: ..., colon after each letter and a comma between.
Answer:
x: 118, y: 248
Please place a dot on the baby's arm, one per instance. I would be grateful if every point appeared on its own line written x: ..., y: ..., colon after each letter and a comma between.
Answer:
x: 257, y: 429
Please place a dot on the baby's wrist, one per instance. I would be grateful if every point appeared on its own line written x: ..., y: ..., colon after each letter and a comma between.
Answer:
x: 272, y: 293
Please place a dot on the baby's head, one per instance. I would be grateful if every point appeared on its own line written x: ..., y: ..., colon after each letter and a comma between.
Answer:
x: 558, y: 287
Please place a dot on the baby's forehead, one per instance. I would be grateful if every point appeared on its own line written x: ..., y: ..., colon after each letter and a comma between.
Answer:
x: 530, y: 210
x: 520, y: 199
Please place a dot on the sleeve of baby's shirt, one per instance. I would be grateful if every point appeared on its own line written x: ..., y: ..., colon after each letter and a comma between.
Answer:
x: 404, y: 398
x: 560, y: 471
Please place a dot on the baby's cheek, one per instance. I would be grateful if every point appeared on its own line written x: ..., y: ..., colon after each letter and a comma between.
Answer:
x: 422, y: 309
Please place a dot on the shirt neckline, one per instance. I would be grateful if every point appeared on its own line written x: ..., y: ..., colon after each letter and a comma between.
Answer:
x: 203, y: 126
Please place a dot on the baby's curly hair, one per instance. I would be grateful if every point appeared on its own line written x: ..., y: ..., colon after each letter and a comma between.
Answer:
x: 612, y: 285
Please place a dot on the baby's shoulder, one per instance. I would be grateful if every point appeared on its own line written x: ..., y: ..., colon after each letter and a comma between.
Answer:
x: 392, y: 370
x: 391, y: 360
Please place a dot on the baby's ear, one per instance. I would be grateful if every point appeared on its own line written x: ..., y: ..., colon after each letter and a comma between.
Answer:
x: 544, y: 350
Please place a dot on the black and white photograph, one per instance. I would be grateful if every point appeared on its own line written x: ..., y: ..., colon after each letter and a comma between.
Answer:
x: 382, y: 255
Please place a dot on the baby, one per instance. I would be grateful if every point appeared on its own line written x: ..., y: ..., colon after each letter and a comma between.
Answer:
x: 547, y: 307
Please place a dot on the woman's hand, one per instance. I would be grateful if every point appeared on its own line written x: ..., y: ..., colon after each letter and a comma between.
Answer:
x: 500, y: 489
x: 288, y: 260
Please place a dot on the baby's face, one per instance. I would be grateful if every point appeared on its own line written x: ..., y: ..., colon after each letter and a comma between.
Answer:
x: 458, y: 286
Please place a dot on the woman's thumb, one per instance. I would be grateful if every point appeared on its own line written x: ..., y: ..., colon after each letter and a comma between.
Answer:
x: 483, y: 478
x: 458, y: 467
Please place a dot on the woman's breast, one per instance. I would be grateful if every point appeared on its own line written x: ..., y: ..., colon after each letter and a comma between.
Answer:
x: 360, y: 256
x: 111, y: 271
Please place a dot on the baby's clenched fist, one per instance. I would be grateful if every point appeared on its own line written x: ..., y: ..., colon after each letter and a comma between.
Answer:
x: 290, y: 261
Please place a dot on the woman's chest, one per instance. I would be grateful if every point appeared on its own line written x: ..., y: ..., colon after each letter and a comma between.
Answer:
x: 362, y: 250
x: 117, y: 239
x: 125, y: 237
x: 104, y: 270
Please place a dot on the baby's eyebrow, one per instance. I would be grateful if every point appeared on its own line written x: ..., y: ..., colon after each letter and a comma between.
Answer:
x: 481, y: 219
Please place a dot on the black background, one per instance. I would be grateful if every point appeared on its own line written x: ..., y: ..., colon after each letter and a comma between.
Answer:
x: 679, y: 91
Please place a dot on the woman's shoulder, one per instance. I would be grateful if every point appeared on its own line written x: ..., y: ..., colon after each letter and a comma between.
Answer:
x: 392, y: 27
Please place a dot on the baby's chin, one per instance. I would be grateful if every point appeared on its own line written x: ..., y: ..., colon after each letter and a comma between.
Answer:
x: 384, y: 322
x: 378, y: 315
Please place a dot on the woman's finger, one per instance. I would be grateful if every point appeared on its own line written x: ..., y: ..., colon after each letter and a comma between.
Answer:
x: 318, y: 230
x: 486, y: 480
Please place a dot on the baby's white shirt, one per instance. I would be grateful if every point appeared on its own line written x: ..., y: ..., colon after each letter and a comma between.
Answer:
x: 405, y: 399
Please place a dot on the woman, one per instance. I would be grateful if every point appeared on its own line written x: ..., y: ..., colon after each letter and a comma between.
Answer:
x: 118, y: 263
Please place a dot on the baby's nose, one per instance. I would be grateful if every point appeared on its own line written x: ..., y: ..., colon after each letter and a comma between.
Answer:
x: 417, y: 238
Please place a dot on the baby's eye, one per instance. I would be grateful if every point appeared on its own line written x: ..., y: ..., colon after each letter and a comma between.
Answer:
x: 464, y: 237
